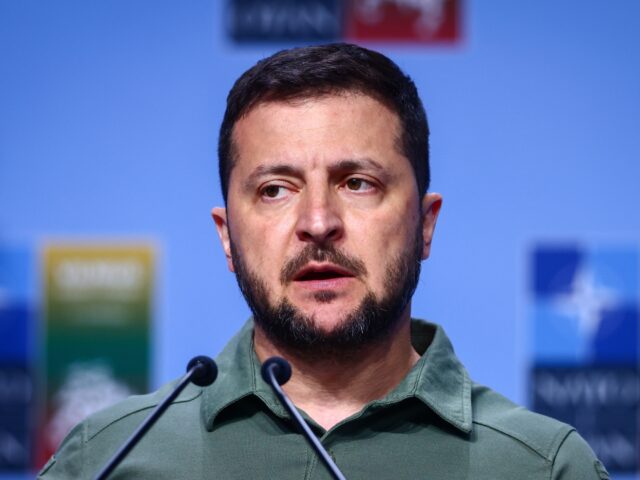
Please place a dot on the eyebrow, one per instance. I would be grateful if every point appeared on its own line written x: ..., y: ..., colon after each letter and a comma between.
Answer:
x: 294, y: 171
x: 277, y: 169
x: 357, y: 164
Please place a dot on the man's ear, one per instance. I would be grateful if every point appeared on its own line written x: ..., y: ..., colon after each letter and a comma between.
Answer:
x: 431, y: 204
x: 219, y: 215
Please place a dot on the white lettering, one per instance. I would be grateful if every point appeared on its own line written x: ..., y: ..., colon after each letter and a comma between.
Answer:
x: 104, y: 274
x: 287, y: 19
x: 588, y: 389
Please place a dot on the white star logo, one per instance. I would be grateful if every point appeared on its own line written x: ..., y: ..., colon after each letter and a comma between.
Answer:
x: 586, y: 301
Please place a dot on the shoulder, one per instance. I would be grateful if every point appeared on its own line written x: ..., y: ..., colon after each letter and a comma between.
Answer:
x: 541, y: 434
x: 92, y: 442
x: 132, y: 407
x: 557, y: 444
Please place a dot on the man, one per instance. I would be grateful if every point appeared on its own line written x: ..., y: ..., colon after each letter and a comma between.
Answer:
x: 324, y: 169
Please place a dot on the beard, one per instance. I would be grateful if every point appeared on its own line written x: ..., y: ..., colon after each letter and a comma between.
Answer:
x: 369, y: 324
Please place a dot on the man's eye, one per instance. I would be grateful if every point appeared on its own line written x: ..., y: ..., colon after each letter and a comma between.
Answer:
x: 358, y: 184
x: 273, y: 191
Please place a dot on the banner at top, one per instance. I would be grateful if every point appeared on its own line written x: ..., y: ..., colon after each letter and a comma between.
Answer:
x: 415, y: 21
x: 406, y: 21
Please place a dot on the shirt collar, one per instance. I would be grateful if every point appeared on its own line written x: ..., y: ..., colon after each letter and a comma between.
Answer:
x: 438, y: 379
x: 238, y: 377
x: 441, y: 381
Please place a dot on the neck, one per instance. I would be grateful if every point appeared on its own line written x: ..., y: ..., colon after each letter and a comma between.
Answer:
x: 332, y: 389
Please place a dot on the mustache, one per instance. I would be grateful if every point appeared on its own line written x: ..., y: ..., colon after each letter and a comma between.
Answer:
x: 328, y: 253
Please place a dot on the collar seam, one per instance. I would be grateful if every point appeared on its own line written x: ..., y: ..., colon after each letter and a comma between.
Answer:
x: 419, y: 378
x: 467, y: 413
x: 252, y: 357
x: 460, y: 419
x: 91, y: 435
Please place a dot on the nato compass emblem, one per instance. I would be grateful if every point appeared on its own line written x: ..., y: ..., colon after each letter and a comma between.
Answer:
x: 584, y: 310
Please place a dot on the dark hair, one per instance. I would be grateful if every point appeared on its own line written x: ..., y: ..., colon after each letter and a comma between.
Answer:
x: 321, y: 70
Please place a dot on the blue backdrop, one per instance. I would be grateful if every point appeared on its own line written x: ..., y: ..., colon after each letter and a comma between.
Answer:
x: 109, y: 114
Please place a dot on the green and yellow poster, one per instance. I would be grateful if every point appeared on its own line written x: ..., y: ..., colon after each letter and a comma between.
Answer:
x: 97, y: 310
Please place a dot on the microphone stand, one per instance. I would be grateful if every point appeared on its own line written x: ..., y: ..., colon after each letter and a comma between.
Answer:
x: 201, y: 370
x: 277, y: 371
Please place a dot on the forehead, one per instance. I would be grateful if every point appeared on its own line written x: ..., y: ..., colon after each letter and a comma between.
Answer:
x: 338, y: 125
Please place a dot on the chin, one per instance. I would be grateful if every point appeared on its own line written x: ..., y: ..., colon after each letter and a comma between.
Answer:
x: 328, y: 325
x: 328, y: 307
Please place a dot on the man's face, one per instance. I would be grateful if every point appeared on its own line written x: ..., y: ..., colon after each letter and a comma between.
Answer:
x: 323, y: 219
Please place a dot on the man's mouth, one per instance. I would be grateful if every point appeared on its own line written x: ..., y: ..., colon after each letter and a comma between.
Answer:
x: 322, y: 272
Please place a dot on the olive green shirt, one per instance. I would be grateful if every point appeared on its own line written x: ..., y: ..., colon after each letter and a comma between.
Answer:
x: 436, y: 424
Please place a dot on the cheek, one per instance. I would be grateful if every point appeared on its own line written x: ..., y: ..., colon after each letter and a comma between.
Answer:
x: 261, y: 243
x: 389, y: 232
x: 380, y: 238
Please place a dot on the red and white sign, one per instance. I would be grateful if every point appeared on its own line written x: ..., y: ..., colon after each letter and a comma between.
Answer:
x: 413, y: 21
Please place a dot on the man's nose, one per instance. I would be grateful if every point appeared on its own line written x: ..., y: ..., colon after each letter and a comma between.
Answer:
x: 319, y: 219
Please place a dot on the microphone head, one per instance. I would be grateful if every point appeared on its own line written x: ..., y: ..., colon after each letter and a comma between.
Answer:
x: 280, y: 368
x: 205, y: 371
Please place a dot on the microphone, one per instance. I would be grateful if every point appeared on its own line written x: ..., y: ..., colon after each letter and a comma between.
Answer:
x: 276, y: 371
x: 205, y: 370
x: 201, y: 370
